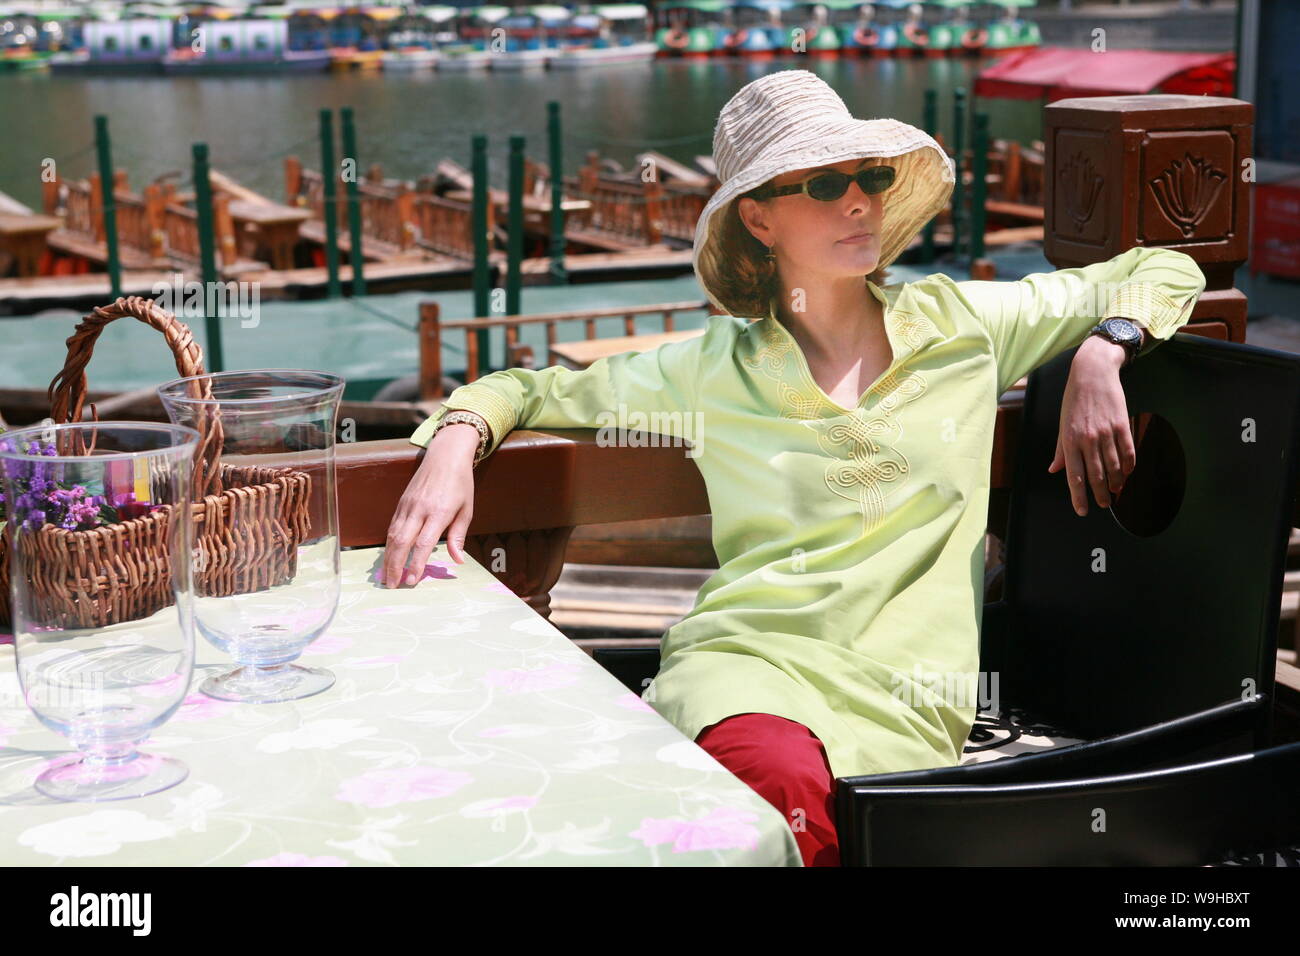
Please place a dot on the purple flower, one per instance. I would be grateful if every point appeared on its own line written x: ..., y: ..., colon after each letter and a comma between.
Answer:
x: 43, y: 498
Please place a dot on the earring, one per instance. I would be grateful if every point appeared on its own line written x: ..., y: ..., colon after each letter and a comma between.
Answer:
x: 771, y: 256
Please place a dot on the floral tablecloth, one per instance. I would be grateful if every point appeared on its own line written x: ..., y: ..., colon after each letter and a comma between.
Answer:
x: 462, y: 730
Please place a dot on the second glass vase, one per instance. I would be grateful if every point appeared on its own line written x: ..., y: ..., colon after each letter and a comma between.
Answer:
x: 267, y: 576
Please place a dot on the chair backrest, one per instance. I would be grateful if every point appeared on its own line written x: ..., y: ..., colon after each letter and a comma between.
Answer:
x: 1108, y: 630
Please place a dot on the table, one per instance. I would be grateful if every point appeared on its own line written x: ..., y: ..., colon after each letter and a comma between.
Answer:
x: 24, y: 237
x: 463, y: 729
x: 579, y: 355
x: 275, y: 227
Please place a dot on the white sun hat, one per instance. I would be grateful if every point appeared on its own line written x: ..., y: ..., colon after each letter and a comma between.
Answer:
x: 791, y: 119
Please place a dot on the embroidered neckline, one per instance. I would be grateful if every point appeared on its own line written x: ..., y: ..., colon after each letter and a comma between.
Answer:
x: 862, y: 444
x: 906, y: 331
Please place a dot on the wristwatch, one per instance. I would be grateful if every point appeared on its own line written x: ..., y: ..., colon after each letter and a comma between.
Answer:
x: 1121, y: 332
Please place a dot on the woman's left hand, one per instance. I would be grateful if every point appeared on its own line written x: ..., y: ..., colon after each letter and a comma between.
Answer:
x: 1095, y: 443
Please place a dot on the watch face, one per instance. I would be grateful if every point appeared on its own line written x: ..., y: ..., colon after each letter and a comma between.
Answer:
x: 1122, y: 330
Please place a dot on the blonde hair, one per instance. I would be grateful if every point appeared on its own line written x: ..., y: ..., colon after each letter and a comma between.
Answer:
x: 749, y: 282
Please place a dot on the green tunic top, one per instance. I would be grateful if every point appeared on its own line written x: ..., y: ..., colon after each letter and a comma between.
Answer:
x: 850, y: 540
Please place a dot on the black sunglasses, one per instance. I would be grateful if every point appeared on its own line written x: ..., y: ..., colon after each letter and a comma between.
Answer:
x: 832, y: 184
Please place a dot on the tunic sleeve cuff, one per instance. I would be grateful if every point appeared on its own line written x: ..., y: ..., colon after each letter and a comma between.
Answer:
x: 1145, y: 305
x: 491, y: 409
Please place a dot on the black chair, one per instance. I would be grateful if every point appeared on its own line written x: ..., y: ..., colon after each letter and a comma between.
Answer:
x: 1162, y: 663
x: 1150, y: 642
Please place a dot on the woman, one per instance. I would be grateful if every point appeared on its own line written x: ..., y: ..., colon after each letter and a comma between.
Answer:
x: 845, y: 444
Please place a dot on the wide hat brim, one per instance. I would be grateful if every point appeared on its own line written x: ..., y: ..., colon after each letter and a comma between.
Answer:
x: 920, y: 191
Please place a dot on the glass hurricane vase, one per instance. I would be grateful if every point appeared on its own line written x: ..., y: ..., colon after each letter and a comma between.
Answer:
x: 98, y: 530
x: 280, y: 419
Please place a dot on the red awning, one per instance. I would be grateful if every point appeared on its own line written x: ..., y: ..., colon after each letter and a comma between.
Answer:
x: 1054, y: 73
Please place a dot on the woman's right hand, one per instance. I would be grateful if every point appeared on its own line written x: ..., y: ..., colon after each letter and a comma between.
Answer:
x: 439, y: 497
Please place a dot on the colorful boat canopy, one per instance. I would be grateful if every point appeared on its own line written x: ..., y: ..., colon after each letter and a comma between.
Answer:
x: 550, y: 12
x: 215, y: 10
x: 622, y: 11
x: 489, y: 13
x: 212, y: 13
x: 705, y: 6
x: 830, y: 4
x: 1054, y: 73
x: 439, y: 14
x: 44, y: 13
x: 152, y: 10
x: 765, y: 4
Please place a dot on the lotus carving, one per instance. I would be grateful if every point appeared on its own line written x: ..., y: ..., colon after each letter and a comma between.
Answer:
x: 1187, y: 190
x: 1080, y: 188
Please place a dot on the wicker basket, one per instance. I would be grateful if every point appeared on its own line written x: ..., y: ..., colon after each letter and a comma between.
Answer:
x: 248, y: 521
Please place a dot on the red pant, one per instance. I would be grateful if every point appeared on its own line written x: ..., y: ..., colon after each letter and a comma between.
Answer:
x: 785, y: 763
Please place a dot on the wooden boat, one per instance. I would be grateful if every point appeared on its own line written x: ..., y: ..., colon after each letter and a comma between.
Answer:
x: 420, y: 232
x: 23, y: 238
x: 401, y: 224
x: 615, y: 210
x: 157, y: 228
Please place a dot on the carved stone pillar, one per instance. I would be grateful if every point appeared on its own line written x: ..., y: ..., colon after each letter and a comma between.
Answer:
x: 1157, y: 170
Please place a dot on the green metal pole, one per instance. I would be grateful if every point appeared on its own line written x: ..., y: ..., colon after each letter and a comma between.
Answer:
x: 559, y: 274
x: 515, y: 236
x: 215, y: 361
x: 104, y: 151
x: 930, y: 121
x: 979, y: 187
x: 354, y: 204
x: 479, y: 225
x: 330, y: 177
x: 958, y: 147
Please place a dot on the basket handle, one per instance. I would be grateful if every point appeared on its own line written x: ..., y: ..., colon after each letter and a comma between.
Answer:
x: 67, y: 391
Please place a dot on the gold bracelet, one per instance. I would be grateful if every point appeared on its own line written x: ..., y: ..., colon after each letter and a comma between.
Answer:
x: 469, y: 418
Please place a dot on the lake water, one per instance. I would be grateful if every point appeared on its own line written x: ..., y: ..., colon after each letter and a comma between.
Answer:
x: 408, y: 122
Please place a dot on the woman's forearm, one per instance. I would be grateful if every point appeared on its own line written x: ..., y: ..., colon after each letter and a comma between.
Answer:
x: 1100, y: 351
